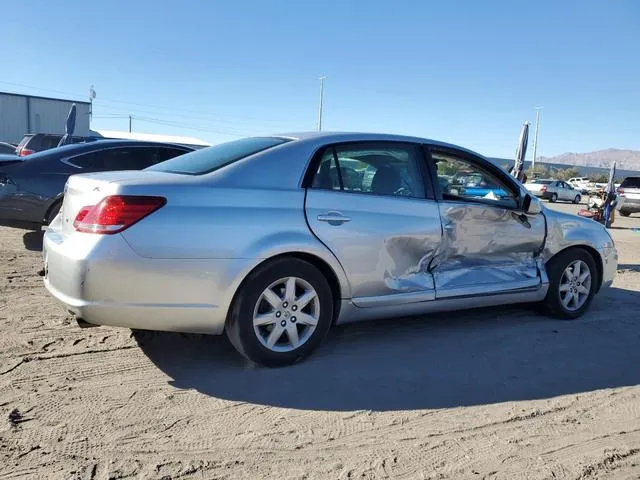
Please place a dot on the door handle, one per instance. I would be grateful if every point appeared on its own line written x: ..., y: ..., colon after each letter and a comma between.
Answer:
x: 333, y: 218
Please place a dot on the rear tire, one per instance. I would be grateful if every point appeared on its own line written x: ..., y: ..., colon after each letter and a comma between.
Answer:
x: 624, y: 213
x: 568, y: 298
x: 271, y: 321
x: 553, y: 198
x: 577, y: 199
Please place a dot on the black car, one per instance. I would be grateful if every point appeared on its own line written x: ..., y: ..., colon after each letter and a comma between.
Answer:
x: 7, y: 148
x: 31, y: 187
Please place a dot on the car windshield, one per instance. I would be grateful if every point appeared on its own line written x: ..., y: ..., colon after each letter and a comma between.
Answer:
x: 210, y: 159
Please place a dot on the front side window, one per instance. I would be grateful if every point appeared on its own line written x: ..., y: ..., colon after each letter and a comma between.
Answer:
x: 460, y: 179
x: 377, y: 168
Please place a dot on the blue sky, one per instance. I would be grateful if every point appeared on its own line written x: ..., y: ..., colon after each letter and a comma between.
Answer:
x: 468, y: 72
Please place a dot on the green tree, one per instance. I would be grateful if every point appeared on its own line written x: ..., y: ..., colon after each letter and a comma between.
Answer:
x: 540, y: 171
x: 599, y: 178
x: 567, y: 173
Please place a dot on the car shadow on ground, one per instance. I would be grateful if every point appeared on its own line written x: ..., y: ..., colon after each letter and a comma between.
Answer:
x: 33, y: 240
x: 456, y: 359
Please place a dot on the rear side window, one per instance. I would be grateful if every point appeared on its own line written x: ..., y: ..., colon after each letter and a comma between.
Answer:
x: 133, y: 158
x: 630, y: 182
x: 210, y: 159
x: 167, y: 153
x: 50, y: 141
x: 379, y: 168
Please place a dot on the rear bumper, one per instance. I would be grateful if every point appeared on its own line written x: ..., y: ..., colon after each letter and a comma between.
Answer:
x: 104, y: 282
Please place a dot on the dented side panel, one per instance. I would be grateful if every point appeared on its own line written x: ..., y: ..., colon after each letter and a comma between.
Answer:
x: 385, y: 246
x: 486, y: 249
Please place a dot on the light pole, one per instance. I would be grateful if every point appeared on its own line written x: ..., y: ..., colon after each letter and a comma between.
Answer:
x: 322, y: 79
x: 535, y: 138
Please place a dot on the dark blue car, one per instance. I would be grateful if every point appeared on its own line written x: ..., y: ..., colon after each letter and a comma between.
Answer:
x: 31, y: 187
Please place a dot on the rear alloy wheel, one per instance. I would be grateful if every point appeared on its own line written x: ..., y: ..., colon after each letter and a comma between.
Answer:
x: 577, y: 199
x: 554, y: 198
x: 573, y: 280
x: 624, y: 213
x: 282, y: 313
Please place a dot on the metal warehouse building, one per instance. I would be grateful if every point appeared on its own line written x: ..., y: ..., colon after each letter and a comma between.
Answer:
x: 22, y: 114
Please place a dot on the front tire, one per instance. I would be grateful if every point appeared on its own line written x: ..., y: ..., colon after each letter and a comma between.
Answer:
x: 573, y: 281
x: 577, y: 199
x: 553, y: 198
x: 282, y: 313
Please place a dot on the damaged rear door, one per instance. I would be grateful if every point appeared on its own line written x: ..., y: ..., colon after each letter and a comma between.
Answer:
x: 489, y: 245
x: 372, y: 205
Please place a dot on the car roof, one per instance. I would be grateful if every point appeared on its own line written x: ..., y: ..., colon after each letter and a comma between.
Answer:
x: 78, y: 148
x: 337, y: 137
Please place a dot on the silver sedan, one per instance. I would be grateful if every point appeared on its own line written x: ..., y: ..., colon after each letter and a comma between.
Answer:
x: 276, y: 239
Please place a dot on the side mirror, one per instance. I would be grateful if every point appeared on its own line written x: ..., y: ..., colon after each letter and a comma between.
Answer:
x: 531, y: 205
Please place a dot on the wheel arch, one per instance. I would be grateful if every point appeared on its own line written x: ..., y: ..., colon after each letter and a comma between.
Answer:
x: 333, y: 278
x: 56, y: 201
x: 592, y: 252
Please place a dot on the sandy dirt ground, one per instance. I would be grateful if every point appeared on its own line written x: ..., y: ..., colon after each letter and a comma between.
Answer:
x: 495, y: 393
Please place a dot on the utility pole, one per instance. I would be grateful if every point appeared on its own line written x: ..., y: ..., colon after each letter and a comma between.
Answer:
x: 92, y: 96
x: 130, y: 123
x: 322, y: 79
x: 535, y: 137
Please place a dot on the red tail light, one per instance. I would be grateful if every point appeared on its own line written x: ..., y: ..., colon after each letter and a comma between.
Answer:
x: 543, y: 188
x: 620, y: 191
x: 116, y: 213
x: 24, y: 152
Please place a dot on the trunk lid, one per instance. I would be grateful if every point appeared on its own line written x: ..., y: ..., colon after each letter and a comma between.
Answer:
x: 85, y: 190
x: 534, y: 187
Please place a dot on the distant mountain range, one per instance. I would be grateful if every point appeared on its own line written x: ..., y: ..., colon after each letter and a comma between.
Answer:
x: 625, y: 159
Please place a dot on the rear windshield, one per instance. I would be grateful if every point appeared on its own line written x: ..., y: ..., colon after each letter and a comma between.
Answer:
x: 541, y: 182
x: 631, y: 182
x: 209, y: 159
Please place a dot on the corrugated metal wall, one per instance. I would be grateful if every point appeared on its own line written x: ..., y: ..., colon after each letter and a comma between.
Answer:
x: 21, y: 114
x: 13, y: 118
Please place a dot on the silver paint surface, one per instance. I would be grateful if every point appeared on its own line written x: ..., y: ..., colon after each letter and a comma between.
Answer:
x: 486, y: 249
x: 179, y: 268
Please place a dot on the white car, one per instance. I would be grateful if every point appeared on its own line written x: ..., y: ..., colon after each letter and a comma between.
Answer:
x: 553, y: 190
x: 579, y: 183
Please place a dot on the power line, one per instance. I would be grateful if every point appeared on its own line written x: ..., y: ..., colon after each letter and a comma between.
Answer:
x: 101, y: 100
x: 224, y: 123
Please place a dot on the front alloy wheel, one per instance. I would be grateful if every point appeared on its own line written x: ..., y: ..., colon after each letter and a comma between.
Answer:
x: 573, y: 280
x: 575, y: 285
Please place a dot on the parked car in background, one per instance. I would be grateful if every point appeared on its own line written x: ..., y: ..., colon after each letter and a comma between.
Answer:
x: 38, y: 142
x: 580, y: 183
x: 538, y: 186
x: 629, y: 196
x: 264, y: 238
x: 31, y: 188
x: 7, y: 148
x: 554, y: 190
